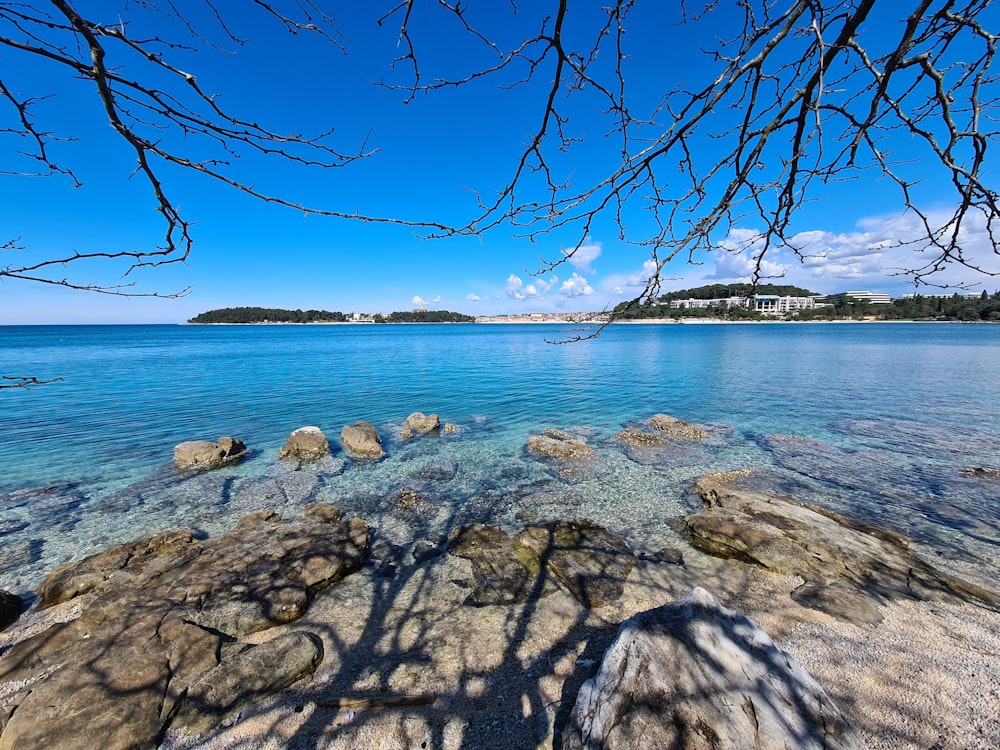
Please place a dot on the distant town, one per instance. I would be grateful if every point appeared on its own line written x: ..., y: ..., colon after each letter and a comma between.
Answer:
x: 731, y: 302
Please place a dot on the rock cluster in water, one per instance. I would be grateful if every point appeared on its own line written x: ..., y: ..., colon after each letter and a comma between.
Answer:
x: 160, y: 641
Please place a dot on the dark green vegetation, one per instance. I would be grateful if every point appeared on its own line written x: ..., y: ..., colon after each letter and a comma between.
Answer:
x: 276, y: 315
x: 985, y: 307
x: 267, y: 315
x: 429, y: 316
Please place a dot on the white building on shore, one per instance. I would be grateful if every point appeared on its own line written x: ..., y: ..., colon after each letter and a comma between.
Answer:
x: 766, y: 304
x: 875, y: 298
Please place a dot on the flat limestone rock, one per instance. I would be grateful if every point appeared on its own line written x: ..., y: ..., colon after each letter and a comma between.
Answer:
x: 559, y: 445
x: 247, y: 677
x: 676, y: 428
x: 503, y: 571
x: 160, y: 627
x: 693, y: 674
x: 849, y: 567
x: 305, y: 444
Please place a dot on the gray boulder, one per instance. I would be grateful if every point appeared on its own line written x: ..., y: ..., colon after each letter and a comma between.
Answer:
x: 361, y: 440
x: 419, y: 423
x: 849, y: 567
x: 159, y: 635
x: 675, y: 428
x: 693, y: 674
x: 305, y: 444
x: 202, y: 454
x: 559, y: 445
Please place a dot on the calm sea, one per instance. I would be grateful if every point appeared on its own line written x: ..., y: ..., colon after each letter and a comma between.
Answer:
x: 877, y: 420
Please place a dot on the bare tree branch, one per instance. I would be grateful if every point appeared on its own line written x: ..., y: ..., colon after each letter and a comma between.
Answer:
x: 149, y: 110
x: 807, y: 93
x: 11, y: 381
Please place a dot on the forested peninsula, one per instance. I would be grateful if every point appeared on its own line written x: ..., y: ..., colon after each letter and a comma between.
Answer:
x: 234, y: 315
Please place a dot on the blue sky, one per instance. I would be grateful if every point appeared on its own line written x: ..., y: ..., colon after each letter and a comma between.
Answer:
x: 431, y: 153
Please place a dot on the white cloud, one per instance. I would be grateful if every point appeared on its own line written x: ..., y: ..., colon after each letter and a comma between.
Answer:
x: 418, y: 301
x: 584, y: 255
x: 632, y: 283
x: 515, y: 287
x: 576, y: 286
x: 474, y: 298
x: 437, y: 298
x: 875, y: 256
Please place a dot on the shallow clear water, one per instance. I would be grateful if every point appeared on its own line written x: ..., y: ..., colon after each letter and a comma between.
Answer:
x: 886, y: 416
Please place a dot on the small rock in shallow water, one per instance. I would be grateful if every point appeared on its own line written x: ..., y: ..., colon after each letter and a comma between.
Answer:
x: 305, y: 444
x: 361, y: 441
x: 559, y: 445
x: 981, y: 473
x: 202, y: 454
x: 419, y: 423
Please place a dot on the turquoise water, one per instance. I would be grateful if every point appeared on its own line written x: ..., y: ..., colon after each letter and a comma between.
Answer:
x: 886, y: 416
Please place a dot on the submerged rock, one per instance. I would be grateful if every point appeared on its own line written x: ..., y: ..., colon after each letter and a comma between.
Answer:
x: 676, y: 428
x: 202, y: 454
x: 159, y: 630
x: 361, y: 440
x: 693, y: 674
x: 980, y: 472
x: 636, y: 437
x: 849, y: 567
x: 441, y: 470
x: 559, y: 445
x: 407, y: 498
x: 305, y: 444
x: 419, y: 423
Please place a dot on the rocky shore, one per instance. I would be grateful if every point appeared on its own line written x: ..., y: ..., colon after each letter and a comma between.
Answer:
x: 776, y: 623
